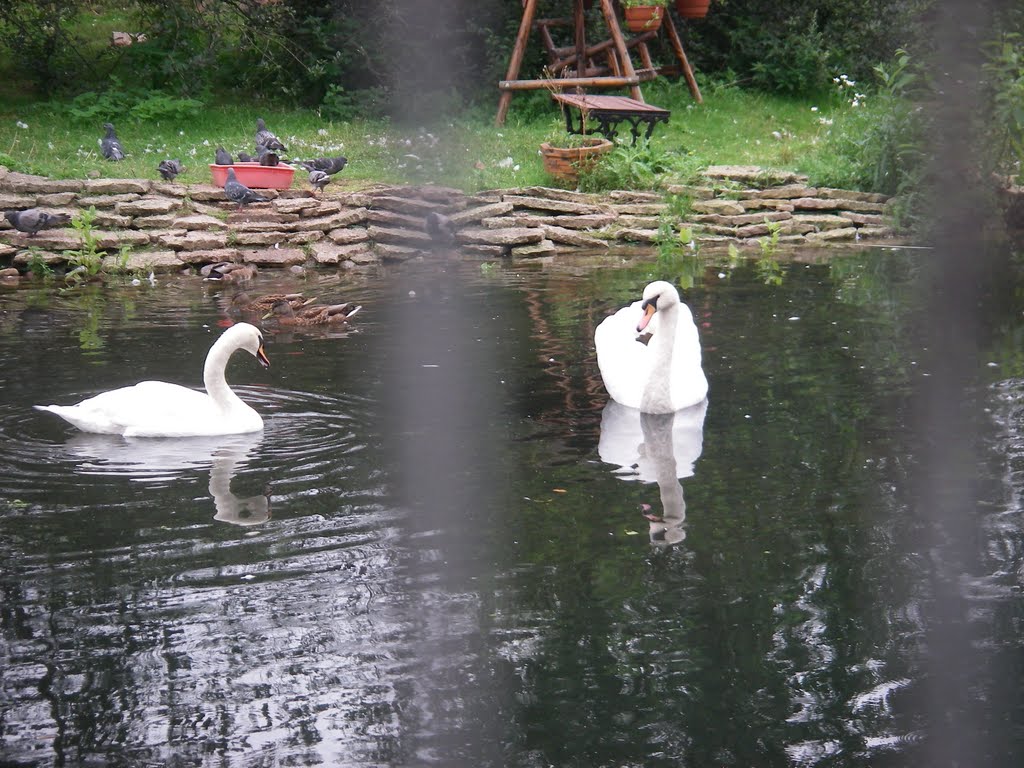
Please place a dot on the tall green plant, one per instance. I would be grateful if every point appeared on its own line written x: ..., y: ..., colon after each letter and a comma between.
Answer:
x: 1005, y: 71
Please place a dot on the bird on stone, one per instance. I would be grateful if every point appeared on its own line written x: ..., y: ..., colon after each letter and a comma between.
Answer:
x: 223, y: 157
x: 265, y: 138
x: 170, y: 168
x: 329, y: 165
x: 319, y: 180
x: 32, y: 220
x: 109, y: 144
x: 440, y: 228
x: 238, y: 193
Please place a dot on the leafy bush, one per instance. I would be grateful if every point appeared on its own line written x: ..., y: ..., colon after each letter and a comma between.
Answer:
x: 639, y: 166
x: 1005, y: 70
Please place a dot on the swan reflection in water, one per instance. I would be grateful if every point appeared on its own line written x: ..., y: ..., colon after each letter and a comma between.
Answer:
x: 149, y: 459
x: 655, y: 448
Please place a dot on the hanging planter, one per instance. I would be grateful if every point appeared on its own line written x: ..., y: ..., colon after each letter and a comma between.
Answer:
x: 565, y: 163
x: 692, y: 9
x: 643, y: 16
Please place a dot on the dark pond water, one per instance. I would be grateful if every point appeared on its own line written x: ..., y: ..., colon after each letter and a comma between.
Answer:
x: 446, y: 548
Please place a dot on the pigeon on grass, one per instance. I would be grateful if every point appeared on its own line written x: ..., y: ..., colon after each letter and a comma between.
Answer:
x: 170, y: 168
x: 109, y: 144
x: 266, y: 139
x: 32, y: 220
x: 240, y: 194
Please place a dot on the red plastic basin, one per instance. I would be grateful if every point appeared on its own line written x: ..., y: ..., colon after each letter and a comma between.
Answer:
x: 255, y: 175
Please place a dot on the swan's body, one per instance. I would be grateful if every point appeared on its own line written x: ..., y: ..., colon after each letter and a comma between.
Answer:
x: 160, y: 409
x: 664, y: 375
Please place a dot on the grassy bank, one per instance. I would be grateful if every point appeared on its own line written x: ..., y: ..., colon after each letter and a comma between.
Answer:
x: 60, y: 139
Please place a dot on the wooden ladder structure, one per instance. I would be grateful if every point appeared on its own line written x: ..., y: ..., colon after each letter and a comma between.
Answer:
x: 580, y: 57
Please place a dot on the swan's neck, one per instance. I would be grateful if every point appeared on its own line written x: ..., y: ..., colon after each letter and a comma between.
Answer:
x: 657, y: 397
x: 213, y: 375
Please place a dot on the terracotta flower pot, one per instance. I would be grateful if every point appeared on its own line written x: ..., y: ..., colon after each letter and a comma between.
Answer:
x: 692, y: 9
x: 643, y: 18
x: 565, y: 163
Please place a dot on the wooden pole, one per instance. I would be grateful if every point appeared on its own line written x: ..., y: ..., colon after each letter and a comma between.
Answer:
x: 568, y: 82
x: 580, y: 23
x: 620, y: 46
x: 529, y: 10
x: 677, y: 44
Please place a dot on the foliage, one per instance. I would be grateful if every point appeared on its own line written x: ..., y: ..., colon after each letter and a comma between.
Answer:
x: 118, y: 100
x: 643, y: 3
x: 1005, y: 70
x: 87, y: 261
x: 628, y: 166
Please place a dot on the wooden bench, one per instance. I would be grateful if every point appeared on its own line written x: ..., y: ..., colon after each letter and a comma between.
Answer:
x: 608, y: 112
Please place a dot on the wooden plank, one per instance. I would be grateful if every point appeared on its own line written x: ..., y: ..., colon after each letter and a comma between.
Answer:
x: 567, y: 82
x: 612, y: 21
x: 677, y: 46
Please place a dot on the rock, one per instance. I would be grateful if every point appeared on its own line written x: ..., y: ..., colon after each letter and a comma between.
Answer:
x: 388, y: 235
x: 509, y: 236
x: 753, y: 174
x: 392, y: 218
x: 348, y: 235
x: 691, y: 191
x: 257, y: 238
x: 304, y: 238
x: 205, y: 192
x: 403, y: 205
x: 332, y: 253
x: 846, y: 194
x: 23, y: 182
x: 147, y: 206
x: 274, y: 257
x: 757, y: 204
x: 537, y: 250
x: 558, y: 206
x: 552, y: 193
x: 209, y: 257
x: 16, y: 202
x: 785, y: 192
x: 54, y: 199
x: 571, y: 237
x: 105, y: 201
x: 822, y: 221
x: 637, y: 235
x: 195, y: 240
x: 723, y: 207
x: 485, y: 251
x: 639, y: 209
x: 299, y: 206
x: 169, y: 189
x: 392, y: 252
x: 479, y: 213
x: 118, y: 186
x: 24, y: 258
x: 864, y: 219
x: 638, y: 222
x: 587, y: 221
x: 145, y: 261
x: 830, y: 235
x: 199, y: 221
x: 743, y: 219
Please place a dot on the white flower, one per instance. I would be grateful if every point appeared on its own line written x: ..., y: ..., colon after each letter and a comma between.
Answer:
x: 814, y: 109
x: 22, y: 125
x: 181, y: 133
x: 506, y: 162
x: 515, y: 167
x: 825, y: 120
x: 206, y: 142
x: 322, y: 132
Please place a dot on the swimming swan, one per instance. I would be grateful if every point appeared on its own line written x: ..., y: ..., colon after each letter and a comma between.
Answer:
x: 664, y: 375
x: 159, y: 409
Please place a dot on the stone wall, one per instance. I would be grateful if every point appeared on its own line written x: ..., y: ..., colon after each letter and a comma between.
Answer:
x: 170, y: 227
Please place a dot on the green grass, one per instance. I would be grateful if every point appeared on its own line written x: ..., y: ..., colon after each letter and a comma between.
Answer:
x: 467, y: 151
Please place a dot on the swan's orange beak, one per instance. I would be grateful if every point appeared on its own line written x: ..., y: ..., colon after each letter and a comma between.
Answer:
x: 650, y: 307
x: 261, y: 355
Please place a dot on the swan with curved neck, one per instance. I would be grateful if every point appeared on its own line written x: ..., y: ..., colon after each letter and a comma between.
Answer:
x: 160, y: 409
x: 659, y: 374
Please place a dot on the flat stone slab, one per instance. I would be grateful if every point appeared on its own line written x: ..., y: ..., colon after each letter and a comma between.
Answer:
x: 9, y: 201
x: 394, y: 252
x: 275, y: 257
x: 723, y: 207
x: 106, y: 201
x: 147, y: 206
x: 394, y: 219
x: 391, y: 235
x: 535, y: 251
x: 407, y: 205
x: 508, y: 236
x: 332, y: 253
x: 743, y: 219
x: 199, y: 221
x: 196, y: 240
x: 155, y: 261
x: 637, y: 235
x: 822, y: 221
x: 118, y: 186
x: 479, y: 213
x: 572, y: 237
x: 215, y: 256
x: 258, y: 238
x: 348, y: 235
x: 54, y: 198
x: 639, y: 209
x: 784, y: 192
x: 545, y: 204
x: 753, y: 173
x: 23, y: 182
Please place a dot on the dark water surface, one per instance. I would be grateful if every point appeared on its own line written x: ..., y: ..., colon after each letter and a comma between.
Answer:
x: 445, y: 548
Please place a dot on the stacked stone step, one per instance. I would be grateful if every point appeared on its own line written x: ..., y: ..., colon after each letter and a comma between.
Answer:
x: 170, y: 226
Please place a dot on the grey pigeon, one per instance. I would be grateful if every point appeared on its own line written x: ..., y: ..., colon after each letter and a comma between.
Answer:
x: 222, y: 157
x: 33, y: 220
x: 238, y: 193
x: 109, y: 145
x: 170, y: 168
x: 319, y: 180
x: 440, y: 228
x: 267, y: 157
x: 245, y: 157
x: 266, y: 139
x: 329, y: 165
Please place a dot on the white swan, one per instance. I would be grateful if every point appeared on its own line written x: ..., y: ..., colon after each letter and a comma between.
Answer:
x: 664, y: 375
x: 159, y: 409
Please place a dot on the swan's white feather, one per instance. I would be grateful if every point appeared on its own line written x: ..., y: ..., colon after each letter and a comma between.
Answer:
x: 630, y: 368
x: 161, y: 409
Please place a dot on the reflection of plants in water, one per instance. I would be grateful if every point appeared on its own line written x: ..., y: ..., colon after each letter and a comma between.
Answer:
x: 767, y: 266
x: 93, y: 301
